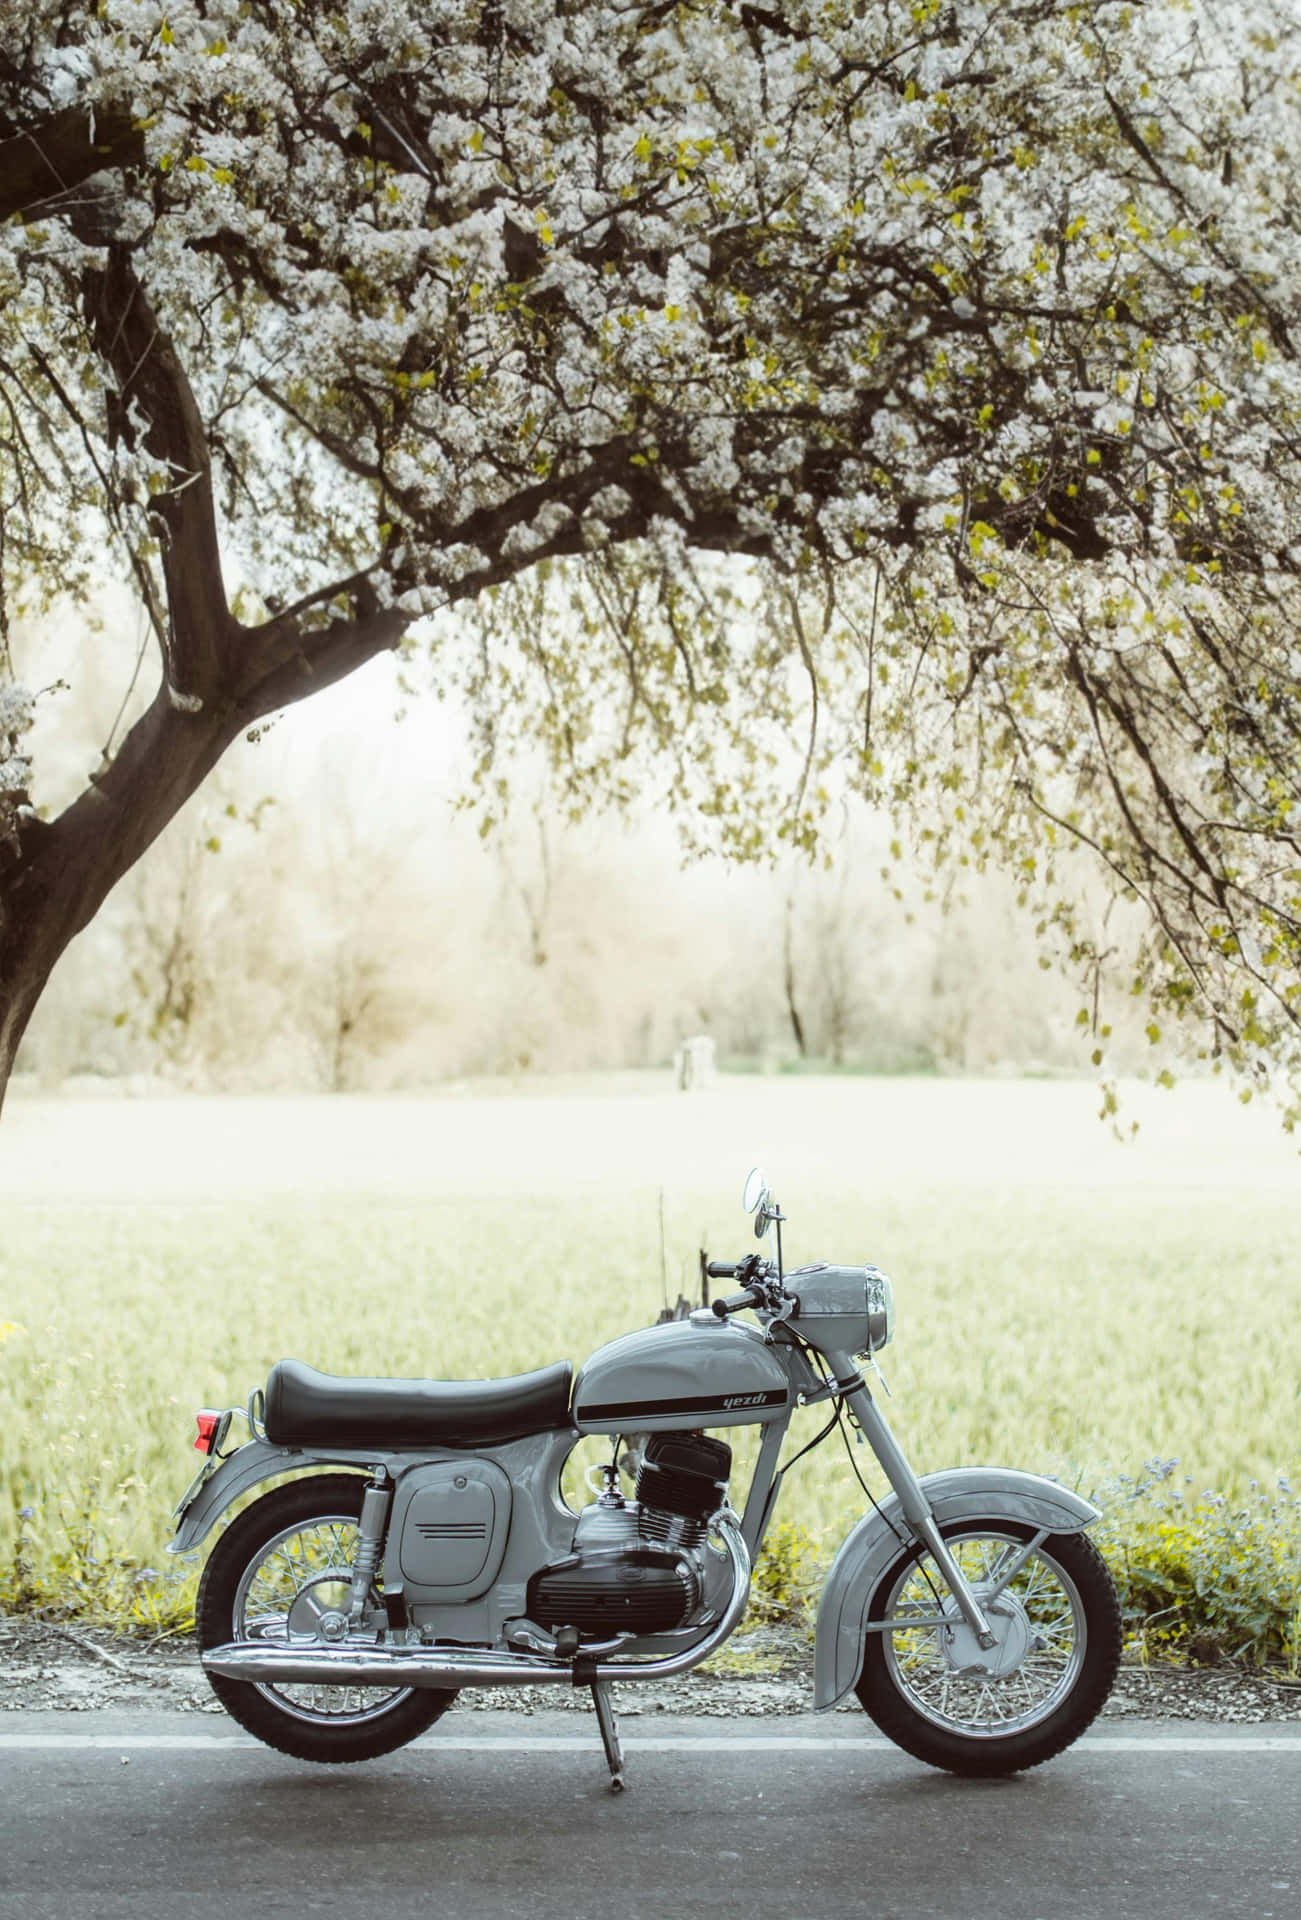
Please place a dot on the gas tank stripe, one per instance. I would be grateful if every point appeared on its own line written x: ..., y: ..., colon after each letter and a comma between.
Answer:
x: 695, y: 1404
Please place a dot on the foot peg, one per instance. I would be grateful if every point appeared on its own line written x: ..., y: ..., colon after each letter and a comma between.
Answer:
x: 609, y: 1726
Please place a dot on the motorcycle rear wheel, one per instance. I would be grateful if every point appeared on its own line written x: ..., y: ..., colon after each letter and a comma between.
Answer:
x: 1058, y: 1621
x: 294, y: 1548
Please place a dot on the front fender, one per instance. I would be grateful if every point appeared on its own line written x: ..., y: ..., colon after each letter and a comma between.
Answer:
x: 958, y: 1493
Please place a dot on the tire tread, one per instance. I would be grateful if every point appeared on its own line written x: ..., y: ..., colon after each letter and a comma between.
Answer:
x: 988, y: 1758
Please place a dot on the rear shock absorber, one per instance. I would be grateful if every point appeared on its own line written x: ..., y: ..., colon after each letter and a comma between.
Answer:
x: 370, y: 1538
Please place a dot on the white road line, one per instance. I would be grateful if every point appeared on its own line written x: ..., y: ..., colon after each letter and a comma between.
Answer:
x: 1275, y: 1743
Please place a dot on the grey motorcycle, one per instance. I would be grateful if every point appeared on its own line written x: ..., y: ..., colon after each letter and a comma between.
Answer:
x: 340, y: 1613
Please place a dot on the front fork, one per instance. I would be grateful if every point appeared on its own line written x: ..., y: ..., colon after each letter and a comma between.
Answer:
x: 871, y: 1423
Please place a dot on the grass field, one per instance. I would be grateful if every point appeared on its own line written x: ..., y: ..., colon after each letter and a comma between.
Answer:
x: 1065, y: 1304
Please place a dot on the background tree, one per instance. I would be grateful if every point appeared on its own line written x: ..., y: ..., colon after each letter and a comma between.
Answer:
x: 975, y: 324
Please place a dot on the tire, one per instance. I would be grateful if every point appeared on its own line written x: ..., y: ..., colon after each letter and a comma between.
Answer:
x: 1058, y: 1622
x: 299, y: 1536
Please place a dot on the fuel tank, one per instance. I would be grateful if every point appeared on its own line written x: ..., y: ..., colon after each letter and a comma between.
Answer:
x: 681, y: 1375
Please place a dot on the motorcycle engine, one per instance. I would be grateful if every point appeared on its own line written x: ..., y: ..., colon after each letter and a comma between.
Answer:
x: 637, y: 1566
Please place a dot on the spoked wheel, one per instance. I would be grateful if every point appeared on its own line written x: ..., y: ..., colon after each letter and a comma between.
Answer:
x: 282, y: 1572
x: 943, y: 1698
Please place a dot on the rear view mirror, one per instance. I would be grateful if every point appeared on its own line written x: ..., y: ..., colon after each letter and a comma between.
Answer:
x: 756, y: 1198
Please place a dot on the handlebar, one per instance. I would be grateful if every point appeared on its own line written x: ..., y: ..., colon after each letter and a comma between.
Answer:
x: 765, y: 1290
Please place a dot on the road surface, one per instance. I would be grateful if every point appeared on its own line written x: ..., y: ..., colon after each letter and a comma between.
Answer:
x: 508, y: 1817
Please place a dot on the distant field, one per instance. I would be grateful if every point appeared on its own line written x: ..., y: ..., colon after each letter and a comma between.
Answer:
x: 1065, y: 1304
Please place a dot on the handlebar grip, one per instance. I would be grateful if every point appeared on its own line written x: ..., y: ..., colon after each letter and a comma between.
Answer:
x: 738, y: 1302
x: 720, y: 1269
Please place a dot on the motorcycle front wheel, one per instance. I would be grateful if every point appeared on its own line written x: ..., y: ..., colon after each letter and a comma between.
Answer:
x: 284, y: 1563
x: 938, y: 1695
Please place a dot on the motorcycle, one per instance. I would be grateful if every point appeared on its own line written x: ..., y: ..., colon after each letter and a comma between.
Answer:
x: 340, y: 1613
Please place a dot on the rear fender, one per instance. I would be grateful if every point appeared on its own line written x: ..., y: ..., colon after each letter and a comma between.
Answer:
x: 248, y: 1466
x: 958, y: 1493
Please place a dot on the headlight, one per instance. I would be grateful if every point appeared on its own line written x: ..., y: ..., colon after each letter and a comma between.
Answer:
x: 880, y: 1310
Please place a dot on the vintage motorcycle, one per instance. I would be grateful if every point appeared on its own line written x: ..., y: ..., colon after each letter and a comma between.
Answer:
x: 340, y: 1613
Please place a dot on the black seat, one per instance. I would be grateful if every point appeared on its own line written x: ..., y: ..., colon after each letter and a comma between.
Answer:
x: 310, y: 1409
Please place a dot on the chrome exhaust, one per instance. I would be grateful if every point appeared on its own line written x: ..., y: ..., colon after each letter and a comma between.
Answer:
x: 454, y: 1667
x: 444, y: 1667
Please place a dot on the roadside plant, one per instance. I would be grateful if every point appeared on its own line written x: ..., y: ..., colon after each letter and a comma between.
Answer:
x: 1205, y: 1578
x: 64, y: 1565
x: 787, y: 1575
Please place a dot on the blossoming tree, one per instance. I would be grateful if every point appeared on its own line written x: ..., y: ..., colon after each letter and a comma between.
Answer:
x: 971, y: 324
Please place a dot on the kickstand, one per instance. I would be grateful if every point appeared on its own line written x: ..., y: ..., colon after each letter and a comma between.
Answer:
x: 609, y: 1726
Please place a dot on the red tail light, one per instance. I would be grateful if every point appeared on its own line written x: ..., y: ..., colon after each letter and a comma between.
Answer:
x: 208, y: 1423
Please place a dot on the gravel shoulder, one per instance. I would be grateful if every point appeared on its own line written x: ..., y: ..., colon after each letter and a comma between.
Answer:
x: 51, y: 1667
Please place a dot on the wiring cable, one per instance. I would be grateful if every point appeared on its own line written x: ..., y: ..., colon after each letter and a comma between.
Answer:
x: 843, y: 1414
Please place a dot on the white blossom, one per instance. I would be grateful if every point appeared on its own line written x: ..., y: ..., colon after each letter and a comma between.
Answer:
x: 1004, y: 302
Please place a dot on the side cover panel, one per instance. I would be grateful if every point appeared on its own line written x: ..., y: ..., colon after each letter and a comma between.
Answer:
x: 958, y: 1493
x: 450, y: 1520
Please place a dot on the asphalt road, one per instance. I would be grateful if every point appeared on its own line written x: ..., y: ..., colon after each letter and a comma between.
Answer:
x: 501, y: 1815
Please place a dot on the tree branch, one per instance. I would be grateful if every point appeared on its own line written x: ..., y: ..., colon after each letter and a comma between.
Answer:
x: 151, y: 379
x: 63, y: 152
x: 290, y: 657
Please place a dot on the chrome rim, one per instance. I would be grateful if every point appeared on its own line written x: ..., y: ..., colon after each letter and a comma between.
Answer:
x: 1035, y: 1610
x: 294, y: 1592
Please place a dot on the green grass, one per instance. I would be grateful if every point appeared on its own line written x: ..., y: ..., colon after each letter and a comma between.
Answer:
x: 1081, y: 1333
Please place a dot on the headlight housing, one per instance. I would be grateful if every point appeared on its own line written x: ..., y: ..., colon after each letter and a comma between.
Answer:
x: 844, y: 1309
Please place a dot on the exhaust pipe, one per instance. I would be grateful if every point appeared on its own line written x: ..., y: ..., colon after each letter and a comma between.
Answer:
x: 376, y: 1667
x: 454, y: 1667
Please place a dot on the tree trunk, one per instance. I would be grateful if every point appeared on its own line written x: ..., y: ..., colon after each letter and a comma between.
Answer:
x: 65, y: 869
x: 788, y: 977
x: 218, y: 676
